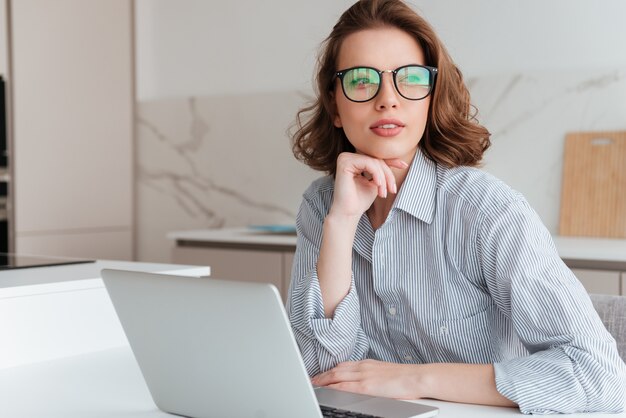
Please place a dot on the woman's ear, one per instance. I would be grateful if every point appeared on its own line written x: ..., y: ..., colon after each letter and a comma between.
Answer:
x: 336, y: 118
x: 337, y: 121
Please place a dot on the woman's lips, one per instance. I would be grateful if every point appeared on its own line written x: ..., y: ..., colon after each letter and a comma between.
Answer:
x: 387, y: 127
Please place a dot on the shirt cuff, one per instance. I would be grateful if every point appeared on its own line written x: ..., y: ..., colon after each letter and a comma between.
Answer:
x: 339, y: 334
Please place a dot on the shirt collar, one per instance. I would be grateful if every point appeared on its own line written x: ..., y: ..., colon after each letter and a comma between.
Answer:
x: 418, y: 192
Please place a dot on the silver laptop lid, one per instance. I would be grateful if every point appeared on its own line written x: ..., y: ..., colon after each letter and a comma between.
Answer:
x: 212, y: 348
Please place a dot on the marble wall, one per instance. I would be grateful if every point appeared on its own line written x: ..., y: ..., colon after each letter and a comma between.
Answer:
x: 216, y: 161
x: 211, y: 162
x: 529, y: 116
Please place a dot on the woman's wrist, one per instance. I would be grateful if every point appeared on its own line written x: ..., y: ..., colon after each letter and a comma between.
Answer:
x: 423, y: 382
x: 341, y: 220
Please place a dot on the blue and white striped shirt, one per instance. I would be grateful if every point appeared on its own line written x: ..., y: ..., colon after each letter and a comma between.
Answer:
x: 461, y: 271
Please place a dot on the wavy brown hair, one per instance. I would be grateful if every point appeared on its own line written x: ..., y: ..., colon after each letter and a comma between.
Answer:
x: 452, y: 136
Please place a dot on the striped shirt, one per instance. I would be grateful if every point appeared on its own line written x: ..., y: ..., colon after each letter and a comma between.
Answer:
x: 462, y: 271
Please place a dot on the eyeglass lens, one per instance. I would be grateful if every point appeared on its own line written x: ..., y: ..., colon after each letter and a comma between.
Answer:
x: 362, y: 84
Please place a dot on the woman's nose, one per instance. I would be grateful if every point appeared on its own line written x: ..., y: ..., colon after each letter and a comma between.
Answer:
x: 387, y: 97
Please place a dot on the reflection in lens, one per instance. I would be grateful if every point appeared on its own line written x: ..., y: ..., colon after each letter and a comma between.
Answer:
x: 413, y: 82
x: 361, y: 84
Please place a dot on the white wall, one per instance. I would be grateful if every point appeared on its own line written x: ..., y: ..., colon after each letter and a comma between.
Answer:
x: 493, y: 36
x: 199, y: 47
x: 536, y: 70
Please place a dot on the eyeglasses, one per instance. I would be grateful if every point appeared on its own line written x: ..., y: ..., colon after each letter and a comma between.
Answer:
x: 413, y: 82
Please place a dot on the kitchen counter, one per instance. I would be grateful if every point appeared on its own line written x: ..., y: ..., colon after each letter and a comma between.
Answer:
x: 576, y: 252
x: 234, y: 238
x: 73, y: 272
x: 592, y: 253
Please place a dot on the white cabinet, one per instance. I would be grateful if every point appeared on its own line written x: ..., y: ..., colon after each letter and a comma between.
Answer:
x: 599, y: 263
x: 238, y: 254
x: 72, y: 137
x: 251, y: 265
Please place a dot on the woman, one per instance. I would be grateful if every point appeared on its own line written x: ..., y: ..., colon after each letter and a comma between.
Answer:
x: 417, y: 275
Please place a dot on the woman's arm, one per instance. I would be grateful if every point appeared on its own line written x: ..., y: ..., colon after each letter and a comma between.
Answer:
x: 354, y: 193
x: 573, y: 364
x: 467, y: 383
x: 334, y: 266
x: 323, y: 305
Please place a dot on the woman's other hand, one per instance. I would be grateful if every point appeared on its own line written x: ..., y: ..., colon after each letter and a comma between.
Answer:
x: 375, y: 378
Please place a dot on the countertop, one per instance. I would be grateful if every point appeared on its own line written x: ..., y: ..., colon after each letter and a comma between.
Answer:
x: 73, y: 272
x: 227, y: 237
x: 577, y: 252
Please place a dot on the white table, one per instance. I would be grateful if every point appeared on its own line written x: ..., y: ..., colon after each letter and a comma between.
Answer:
x: 63, y: 352
x: 109, y: 384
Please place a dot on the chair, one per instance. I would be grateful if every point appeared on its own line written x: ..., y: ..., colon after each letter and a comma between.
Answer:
x: 612, y: 311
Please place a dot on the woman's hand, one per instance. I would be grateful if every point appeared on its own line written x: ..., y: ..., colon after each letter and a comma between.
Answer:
x: 359, y: 179
x: 376, y: 378
x: 467, y: 383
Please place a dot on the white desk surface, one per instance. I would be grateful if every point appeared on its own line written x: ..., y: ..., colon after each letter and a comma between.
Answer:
x: 11, y: 278
x: 109, y: 384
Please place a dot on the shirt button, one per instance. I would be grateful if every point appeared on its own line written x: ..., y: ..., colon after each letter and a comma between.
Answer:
x: 392, y: 310
x: 407, y: 357
x: 443, y: 330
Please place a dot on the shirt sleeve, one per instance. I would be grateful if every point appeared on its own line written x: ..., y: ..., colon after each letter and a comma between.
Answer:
x: 323, y: 342
x: 573, y: 365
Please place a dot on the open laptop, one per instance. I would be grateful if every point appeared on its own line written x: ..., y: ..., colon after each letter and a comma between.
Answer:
x: 223, y: 348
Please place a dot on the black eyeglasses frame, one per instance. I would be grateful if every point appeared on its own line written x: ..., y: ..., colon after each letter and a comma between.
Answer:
x: 431, y: 80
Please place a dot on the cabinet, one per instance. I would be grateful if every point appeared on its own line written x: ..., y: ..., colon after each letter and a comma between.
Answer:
x: 599, y: 263
x: 238, y: 254
x: 601, y: 281
x: 71, y: 69
x: 250, y: 265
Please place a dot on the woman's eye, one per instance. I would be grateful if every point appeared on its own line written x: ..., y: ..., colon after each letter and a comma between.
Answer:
x: 412, y: 79
x: 360, y: 82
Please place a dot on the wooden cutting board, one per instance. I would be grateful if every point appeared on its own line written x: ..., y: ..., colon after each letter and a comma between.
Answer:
x: 593, y: 192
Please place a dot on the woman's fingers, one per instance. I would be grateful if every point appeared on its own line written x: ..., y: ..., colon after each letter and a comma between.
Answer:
x: 360, y: 179
x: 369, y: 168
x: 389, y: 177
x: 343, y: 372
x: 379, y: 171
x: 397, y: 163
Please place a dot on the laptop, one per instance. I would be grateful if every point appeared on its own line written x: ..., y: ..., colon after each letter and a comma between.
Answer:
x: 224, y: 348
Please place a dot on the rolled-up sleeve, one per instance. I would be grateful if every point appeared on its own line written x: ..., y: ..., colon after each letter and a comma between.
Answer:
x: 323, y: 342
x: 573, y: 365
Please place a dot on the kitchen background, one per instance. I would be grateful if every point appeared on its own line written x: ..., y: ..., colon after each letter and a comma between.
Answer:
x: 134, y: 119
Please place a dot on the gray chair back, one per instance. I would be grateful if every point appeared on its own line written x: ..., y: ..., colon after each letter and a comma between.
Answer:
x: 612, y: 311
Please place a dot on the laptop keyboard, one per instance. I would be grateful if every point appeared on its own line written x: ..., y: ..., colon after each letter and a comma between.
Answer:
x: 342, y: 413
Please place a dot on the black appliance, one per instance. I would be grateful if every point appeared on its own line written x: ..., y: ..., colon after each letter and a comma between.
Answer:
x: 4, y: 185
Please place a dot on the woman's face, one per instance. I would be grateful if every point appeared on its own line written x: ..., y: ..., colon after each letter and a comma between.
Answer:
x: 387, y: 126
